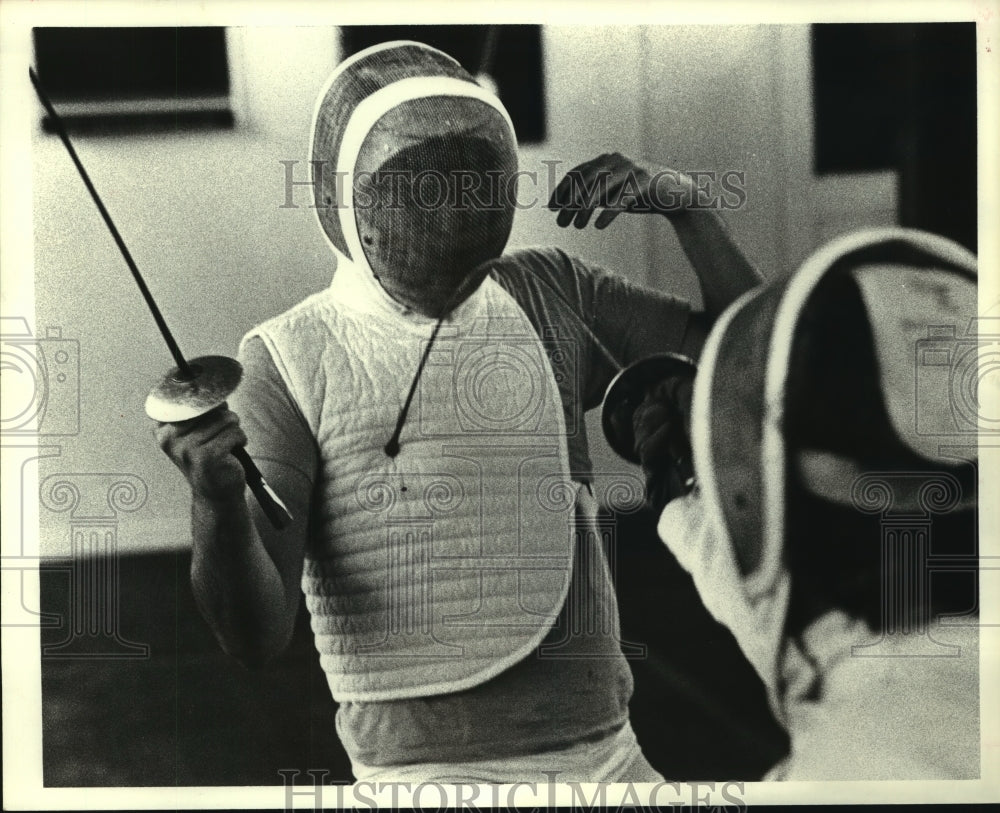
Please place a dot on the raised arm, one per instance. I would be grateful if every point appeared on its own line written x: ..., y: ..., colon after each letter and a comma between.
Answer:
x: 724, y: 273
x: 618, y: 184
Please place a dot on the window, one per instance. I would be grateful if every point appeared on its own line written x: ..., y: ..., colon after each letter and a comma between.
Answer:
x: 902, y: 96
x: 114, y: 79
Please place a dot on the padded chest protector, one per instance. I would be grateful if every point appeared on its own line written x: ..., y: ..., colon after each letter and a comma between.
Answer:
x: 439, y: 568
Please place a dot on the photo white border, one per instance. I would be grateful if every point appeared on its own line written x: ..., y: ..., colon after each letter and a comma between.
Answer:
x: 22, y: 751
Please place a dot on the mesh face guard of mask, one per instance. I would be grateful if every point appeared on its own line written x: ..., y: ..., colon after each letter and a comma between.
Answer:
x: 415, y: 167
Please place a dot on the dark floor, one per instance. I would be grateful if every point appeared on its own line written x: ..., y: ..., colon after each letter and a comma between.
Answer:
x: 187, y: 715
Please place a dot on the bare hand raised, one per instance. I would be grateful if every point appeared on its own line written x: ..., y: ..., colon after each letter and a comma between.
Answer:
x: 618, y: 184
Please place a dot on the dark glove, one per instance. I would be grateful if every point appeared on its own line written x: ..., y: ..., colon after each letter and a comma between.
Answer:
x: 661, y: 426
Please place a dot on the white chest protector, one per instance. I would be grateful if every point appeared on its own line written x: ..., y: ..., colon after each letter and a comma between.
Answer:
x: 434, y: 570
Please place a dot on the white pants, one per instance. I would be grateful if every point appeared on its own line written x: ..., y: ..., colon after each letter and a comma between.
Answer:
x: 615, y: 758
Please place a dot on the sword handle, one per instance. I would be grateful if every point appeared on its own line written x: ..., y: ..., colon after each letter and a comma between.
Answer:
x: 275, y: 510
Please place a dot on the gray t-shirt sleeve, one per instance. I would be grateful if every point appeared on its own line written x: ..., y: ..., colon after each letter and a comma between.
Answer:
x: 276, y: 429
x: 631, y: 321
x: 608, y: 321
x: 592, y: 323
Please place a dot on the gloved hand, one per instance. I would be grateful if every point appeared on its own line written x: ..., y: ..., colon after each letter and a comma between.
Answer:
x: 661, y: 427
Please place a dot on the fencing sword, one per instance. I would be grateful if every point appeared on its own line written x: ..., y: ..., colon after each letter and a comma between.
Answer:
x: 192, y: 388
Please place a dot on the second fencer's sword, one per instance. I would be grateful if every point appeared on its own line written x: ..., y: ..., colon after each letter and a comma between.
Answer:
x: 193, y: 388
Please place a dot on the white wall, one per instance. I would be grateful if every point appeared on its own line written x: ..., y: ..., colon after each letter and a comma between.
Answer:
x: 201, y: 212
